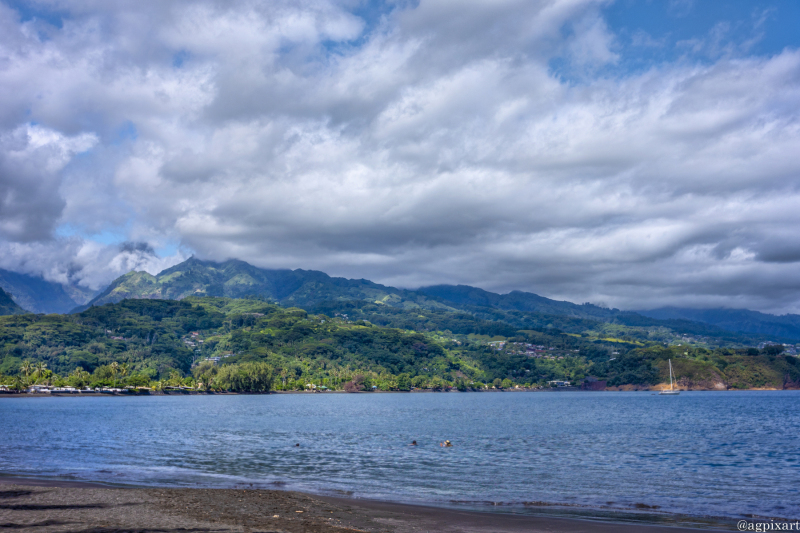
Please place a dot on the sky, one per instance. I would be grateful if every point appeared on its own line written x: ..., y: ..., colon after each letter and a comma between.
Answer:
x: 628, y: 153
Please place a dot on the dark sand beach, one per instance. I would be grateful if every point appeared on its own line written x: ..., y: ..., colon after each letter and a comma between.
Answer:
x: 55, y: 506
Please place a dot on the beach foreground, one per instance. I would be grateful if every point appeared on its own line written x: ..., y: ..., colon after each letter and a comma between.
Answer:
x: 45, y: 506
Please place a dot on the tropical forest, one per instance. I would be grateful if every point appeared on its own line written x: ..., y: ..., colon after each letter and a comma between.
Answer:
x: 221, y: 344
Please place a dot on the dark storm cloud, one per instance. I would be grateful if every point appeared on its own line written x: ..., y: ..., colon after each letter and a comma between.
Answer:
x: 435, y: 144
x: 137, y: 248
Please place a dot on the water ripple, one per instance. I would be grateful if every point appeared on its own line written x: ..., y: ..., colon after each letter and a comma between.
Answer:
x: 701, y: 454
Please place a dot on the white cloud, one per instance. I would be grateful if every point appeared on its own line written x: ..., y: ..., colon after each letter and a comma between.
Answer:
x: 76, y: 261
x: 592, y: 43
x: 433, y: 145
x: 31, y: 159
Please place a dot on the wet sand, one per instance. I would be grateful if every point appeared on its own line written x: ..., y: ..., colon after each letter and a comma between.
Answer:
x: 44, y: 506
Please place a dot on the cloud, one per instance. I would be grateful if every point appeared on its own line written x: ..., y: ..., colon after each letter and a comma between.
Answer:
x: 435, y: 143
x: 31, y: 160
x: 75, y: 261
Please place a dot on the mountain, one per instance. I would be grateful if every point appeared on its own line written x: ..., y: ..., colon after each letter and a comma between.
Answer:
x: 738, y: 320
x: 237, y: 279
x: 464, y: 295
x: 8, y: 306
x: 306, y: 288
x: 40, y: 296
x: 318, y: 292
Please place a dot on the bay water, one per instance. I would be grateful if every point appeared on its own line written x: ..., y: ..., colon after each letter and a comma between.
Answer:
x: 700, y: 454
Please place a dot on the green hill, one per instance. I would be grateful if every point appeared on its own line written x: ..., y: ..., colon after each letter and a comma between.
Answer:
x: 258, y: 345
x: 8, y: 306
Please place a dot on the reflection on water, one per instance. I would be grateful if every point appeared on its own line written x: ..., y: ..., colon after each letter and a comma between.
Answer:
x: 701, y: 454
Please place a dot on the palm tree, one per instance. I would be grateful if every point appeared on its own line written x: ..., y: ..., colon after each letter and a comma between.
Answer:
x: 26, y: 368
x: 124, y: 369
x: 208, y: 379
x: 114, y: 368
x: 79, y: 377
x: 40, y: 367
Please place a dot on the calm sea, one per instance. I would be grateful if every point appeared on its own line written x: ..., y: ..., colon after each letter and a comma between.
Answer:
x: 698, y: 454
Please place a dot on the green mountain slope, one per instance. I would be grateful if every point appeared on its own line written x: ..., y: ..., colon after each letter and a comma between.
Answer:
x: 464, y: 295
x: 237, y: 279
x: 167, y: 342
x: 305, y: 288
x: 8, y: 306
x: 740, y: 320
x: 41, y: 296
x: 312, y: 290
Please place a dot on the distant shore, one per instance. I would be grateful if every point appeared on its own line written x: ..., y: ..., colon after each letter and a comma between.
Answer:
x: 30, y: 504
x: 5, y: 394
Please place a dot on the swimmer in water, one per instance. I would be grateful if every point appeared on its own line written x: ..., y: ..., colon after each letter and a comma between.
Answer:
x: 446, y: 444
x: 413, y: 443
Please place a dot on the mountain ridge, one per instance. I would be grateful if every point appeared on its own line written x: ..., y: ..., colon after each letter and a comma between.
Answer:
x: 237, y: 279
x: 303, y: 288
x: 37, y: 295
x: 739, y: 320
x: 309, y: 289
x: 8, y: 306
x: 514, y: 300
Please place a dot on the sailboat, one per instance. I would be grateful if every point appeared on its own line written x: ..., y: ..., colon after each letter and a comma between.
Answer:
x: 671, y: 390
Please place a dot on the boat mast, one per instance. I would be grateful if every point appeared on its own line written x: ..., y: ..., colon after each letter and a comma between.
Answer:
x: 670, y: 374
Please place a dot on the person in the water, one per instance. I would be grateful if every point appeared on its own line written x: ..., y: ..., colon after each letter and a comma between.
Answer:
x: 413, y: 443
x: 446, y: 444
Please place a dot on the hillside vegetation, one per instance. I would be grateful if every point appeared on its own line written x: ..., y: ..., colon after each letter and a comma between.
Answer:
x: 237, y: 279
x: 317, y: 292
x: 251, y: 344
x: 311, y: 290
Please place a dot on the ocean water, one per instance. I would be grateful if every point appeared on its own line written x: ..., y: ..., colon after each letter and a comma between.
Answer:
x: 700, y: 454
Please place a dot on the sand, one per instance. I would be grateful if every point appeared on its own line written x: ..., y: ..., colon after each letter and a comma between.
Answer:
x: 48, y: 506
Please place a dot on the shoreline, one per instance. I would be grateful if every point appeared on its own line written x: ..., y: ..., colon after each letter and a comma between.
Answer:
x: 9, y: 394
x: 35, y: 501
